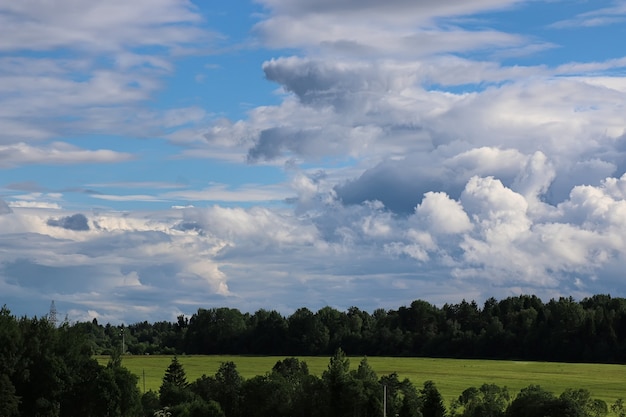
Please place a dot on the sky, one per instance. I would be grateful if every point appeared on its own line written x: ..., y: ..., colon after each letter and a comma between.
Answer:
x: 160, y: 156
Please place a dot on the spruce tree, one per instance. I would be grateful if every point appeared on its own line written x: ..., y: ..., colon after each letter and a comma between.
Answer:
x: 174, y: 389
x: 432, y: 401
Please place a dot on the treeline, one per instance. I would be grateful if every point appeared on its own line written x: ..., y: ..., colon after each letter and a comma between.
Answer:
x: 288, y: 390
x: 524, y: 328
x: 50, y: 371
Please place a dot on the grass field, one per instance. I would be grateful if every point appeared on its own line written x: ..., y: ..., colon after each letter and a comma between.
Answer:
x: 452, y: 376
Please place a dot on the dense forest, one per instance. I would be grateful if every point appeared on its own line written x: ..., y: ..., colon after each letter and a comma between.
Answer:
x: 50, y: 371
x: 524, y: 328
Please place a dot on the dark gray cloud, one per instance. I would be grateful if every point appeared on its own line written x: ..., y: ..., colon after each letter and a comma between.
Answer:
x: 279, y: 141
x: 399, y: 185
x: 318, y: 82
x: 78, y: 222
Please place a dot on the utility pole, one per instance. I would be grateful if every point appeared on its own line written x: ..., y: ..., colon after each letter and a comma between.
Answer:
x: 123, y: 339
x: 52, y: 316
x: 384, y: 400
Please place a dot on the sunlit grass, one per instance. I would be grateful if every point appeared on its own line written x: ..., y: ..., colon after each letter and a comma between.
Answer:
x: 451, y: 376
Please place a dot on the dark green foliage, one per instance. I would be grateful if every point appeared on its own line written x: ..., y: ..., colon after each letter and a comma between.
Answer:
x: 50, y: 371
x: 393, y: 393
x: 130, y: 397
x: 9, y: 401
x: 590, y: 407
x: 267, y: 333
x: 338, y: 382
x: 618, y: 408
x: 10, y: 341
x: 150, y: 403
x: 196, y: 408
x: 367, y: 391
x: 174, y: 389
x: 523, y: 327
x: 217, y: 330
x: 204, y: 387
x: 199, y: 408
x: 534, y: 401
x: 432, y: 402
x: 487, y: 401
x: 302, y: 394
x: 306, y: 333
x: 228, y: 389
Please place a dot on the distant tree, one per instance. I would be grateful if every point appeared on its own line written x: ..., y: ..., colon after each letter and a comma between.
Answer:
x: 9, y: 402
x: 268, y: 333
x: 150, y: 403
x: 582, y: 398
x: 217, y: 330
x: 411, y: 402
x: 10, y: 340
x: 402, y: 398
x: 40, y: 371
x: 174, y: 388
x: 534, y: 401
x: 199, y: 408
x: 304, y: 394
x: 618, y: 408
x: 204, y: 387
x: 367, y: 390
x: 391, y: 386
x: 229, y: 389
x: 432, y: 401
x: 487, y: 401
x: 307, y: 334
x: 337, y: 325
x: 130, y: 397
x: 338, y: 383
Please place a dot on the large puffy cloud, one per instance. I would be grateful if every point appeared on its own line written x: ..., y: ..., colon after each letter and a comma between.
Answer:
x: 442, y: 214
x: 101, y: 262
x: 428, y: 140
x: 469, y: 174
x: 472, y: 175
x: 487, y: 242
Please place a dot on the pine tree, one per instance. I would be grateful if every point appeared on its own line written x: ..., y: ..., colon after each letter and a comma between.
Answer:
x: 432, y: 401
x: 174, y: 389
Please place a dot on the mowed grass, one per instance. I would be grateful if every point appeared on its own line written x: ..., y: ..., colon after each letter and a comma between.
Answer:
x: 452, y: 376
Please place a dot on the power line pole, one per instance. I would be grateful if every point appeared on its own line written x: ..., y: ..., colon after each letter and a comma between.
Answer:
x: 52, y: 315
x: 123, y: 347
x: 384, y: 400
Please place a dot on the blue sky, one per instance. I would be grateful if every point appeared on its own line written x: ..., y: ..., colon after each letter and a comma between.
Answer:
x: 161, y: 156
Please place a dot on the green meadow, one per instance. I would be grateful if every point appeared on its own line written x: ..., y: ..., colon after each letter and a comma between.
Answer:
x: 452, y: 376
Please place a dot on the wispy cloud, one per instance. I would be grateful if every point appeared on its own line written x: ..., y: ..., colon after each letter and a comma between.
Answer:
x: 55, y: 154
x: 605, y: 16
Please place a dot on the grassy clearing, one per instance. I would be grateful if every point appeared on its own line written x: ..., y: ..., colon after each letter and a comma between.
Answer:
x: 451, y: 376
